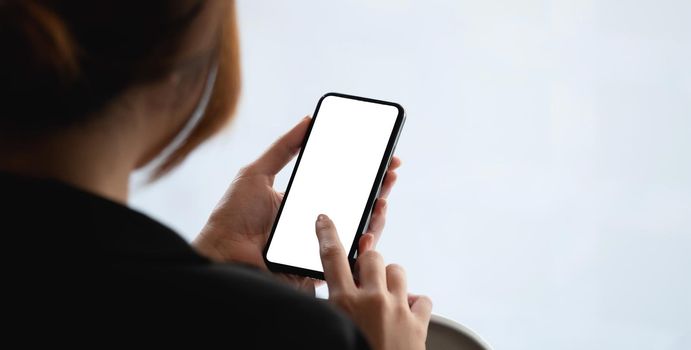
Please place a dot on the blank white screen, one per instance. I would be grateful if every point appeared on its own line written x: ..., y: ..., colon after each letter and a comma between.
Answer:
x: 335, y: 176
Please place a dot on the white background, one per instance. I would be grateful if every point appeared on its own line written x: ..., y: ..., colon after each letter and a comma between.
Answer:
x: 545, y: 195
x: 335, y: 177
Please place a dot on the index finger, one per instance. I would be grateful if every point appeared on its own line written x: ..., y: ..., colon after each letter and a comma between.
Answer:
x: 334, y: 260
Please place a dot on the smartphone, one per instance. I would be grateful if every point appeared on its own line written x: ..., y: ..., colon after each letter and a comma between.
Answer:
x: 339, y: 172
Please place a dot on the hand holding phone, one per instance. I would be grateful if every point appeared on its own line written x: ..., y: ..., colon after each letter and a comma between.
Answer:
x: 339, y: 171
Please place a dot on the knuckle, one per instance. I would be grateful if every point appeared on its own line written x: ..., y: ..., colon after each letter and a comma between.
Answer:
x: 371, y: 257
x: 402, y: 309
x: 246, y: 170
x: 329, y: 249
x: 376, y: 299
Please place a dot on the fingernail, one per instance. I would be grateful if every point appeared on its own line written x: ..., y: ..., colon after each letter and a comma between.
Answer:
x: 322, y: 221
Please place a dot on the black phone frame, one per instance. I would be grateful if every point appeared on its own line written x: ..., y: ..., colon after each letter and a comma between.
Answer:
x: 374, y: 193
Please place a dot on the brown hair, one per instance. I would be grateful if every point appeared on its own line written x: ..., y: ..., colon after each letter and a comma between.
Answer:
x: 64, y: 60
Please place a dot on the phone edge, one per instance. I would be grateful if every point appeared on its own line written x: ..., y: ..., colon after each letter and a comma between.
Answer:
x: 376, y: 187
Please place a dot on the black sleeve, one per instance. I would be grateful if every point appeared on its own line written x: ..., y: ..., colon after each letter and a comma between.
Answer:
x: 237, y: 304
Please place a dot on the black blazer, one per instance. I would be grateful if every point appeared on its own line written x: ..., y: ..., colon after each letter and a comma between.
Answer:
x: 83, y: 269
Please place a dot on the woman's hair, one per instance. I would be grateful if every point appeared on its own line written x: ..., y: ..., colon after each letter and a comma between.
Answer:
x: 63, y: 60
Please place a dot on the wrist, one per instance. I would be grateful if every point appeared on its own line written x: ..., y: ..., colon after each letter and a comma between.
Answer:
x: 225, y: 250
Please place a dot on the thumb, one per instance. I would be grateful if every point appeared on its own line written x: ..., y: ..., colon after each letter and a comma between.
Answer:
x: 282, y: 151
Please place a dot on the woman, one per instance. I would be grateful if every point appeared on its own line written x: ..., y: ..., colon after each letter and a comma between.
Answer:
x: 91, y: 91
